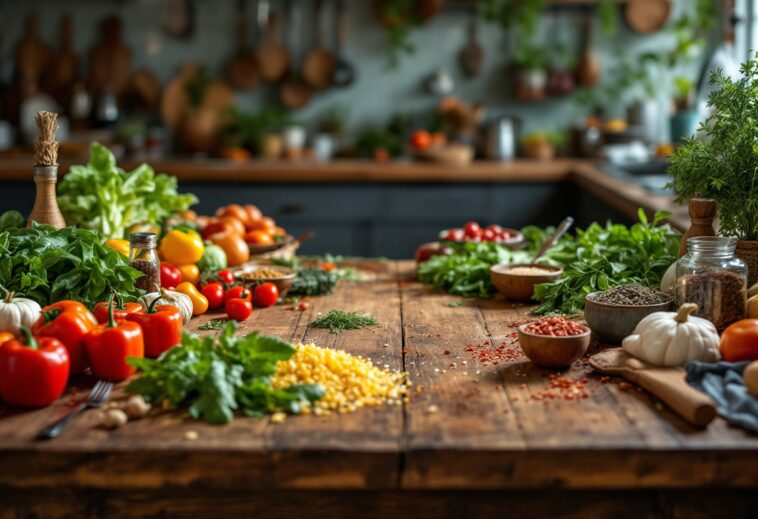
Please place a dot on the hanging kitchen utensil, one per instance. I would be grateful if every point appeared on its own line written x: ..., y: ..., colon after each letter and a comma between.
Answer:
x: 294, y: 92
x: 472, y: 54
x: 667, y: 384
x: 559, y: 231
x: 143, y: 91
x: 273, y: 59
x: 344, y: 71
x: 242, y: 69
x: 111, y: 60
x: 32, y: 54
x: 588, y: 68
x: 178, y: 19
x: 319, y: 63
x: 64, y: 68
x: 647, y: 16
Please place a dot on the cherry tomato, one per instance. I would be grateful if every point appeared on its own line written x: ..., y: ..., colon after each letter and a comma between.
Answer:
x: 238, y: 292
x: 740, y: 341
x: 472, y: 230
x: 496, y: 229
x: 454, y: 235
x: 265, y: 295
x: 171, y: 276
x: 226, y: 276
x: 489, y: 235
x: 238, y: 309
x: 214, y: 293
x: 421, y: 140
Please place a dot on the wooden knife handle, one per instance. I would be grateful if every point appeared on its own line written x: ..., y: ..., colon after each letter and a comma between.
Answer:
x: 670, y: 386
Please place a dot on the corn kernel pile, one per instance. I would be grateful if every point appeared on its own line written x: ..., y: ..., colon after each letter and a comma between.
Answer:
x: 349, y: 382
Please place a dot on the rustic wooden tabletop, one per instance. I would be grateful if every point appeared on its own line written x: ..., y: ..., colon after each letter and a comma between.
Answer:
x: 475, y: 436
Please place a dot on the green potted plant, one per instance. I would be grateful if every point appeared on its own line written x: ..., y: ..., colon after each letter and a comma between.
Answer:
x: 531, y: 72
x: 722, y: 163
x: 685, y: 117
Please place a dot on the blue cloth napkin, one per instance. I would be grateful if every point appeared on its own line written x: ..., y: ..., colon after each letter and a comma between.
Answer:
x: 722, y: 381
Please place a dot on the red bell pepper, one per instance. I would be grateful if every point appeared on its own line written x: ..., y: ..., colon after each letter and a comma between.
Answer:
x: 171, y: 276
x: 33, y: 371
x: 110, y: 344
x: 119, y: 312
x: 69, y: 322
x: 161, y: 327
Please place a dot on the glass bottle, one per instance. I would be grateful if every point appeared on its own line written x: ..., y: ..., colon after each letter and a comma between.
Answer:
x: 712, y: 277
x: 143, y: 257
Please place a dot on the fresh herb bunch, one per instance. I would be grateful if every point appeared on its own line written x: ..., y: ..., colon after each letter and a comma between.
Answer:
x: 602, y: 257
x: 11, y: 220
x: 47, y: 265
x: 724, y: 164
x: 215, y: 324
x: 310, y: 281
x: 217, y: 376
x: 103, y: 197
x: 337, y: 321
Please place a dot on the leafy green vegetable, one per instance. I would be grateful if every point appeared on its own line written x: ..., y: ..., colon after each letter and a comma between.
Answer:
x: 724, y: 164
x: 337, y: 321
x: 47, y: 265
x: 218, y: 376
x: 11, y: 219
x: 603, y: 257
x: 310, y: 281
x: 102, y: 197
x: 214, y: 258
x: 215, y: 324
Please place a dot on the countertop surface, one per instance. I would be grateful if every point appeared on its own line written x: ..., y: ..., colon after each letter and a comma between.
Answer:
x: 469, y: 424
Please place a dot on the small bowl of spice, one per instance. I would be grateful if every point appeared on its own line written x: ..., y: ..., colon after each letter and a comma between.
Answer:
x: 553, y: 342
x: 253, y: 275
x: 613, y: 314
x: 516, y: 281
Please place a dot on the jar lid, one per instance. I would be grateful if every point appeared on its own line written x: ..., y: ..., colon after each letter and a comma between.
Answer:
x: 143, y: 239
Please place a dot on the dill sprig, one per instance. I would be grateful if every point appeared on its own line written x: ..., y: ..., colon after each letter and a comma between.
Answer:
x: 337, y: 321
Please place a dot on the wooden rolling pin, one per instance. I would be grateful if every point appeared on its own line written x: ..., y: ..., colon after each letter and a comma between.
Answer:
x: 667, y: 384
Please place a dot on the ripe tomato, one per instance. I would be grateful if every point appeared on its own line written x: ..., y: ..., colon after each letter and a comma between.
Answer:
x: 259, y: 238
x: 225, y: 276
x: 253, y: 213
x: 219, y: 225
x: 454, y: 235
x: 233, y: 224
x: 489, y: 235
x: 238, y: 292
x: 496, y: 229
x: 171, y: 276
x: 740, y: 341
x: 238, y: 309
x: 237, y: 251
x: 264, y: 224
x: 214, y: 293
x: 472, y: 230
x: 421, y: 140
x: 235, y: 211
x: 265, y: 295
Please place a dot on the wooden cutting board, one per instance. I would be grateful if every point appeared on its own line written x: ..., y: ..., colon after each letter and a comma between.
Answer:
x: 32, y: 54
x: 110, y: 60
x: 64, y: 68
x: 667, y: 384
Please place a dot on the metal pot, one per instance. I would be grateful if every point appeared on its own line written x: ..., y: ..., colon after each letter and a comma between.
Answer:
x: 499, y: 139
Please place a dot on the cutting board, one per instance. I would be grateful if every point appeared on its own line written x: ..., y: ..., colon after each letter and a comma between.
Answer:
x: 64, y: 68
x: 110, y: 60
x: 32, y: 54
x: 667, y: 384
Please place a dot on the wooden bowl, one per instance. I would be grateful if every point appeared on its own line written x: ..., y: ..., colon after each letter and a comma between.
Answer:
x: 520, y: 287
x: 611, y: 324
x: 261, y: 249
x: 548, y: 351
x: 283, y: 282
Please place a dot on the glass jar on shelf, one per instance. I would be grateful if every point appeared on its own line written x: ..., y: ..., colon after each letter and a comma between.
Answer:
x: 144, y: 257
x: 712, y: 277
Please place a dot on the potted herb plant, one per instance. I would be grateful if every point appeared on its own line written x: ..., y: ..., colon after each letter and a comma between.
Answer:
x: 531, y: 73
x: 684, y: 120
x: 722, y: 163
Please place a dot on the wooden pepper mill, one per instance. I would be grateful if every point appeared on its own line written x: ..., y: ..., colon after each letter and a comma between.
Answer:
x: 45, y: 208
x: 702, y: 212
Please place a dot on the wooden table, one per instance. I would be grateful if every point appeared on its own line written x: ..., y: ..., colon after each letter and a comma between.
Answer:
x: 473, y: 441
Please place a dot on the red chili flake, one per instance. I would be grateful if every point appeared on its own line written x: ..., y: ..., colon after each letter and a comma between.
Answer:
x: 446, y: 352
x: 555, y: 327
x: 624, y: 386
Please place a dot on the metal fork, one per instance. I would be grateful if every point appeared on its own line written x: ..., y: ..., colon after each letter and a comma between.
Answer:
x: 97, y: 397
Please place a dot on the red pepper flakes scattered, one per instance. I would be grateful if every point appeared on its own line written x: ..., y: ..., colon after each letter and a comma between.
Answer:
x: 562, y: 388
x: 487, y: 353
x: 555, y: 327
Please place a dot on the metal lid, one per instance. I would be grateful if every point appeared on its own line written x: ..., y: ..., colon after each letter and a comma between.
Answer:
x: 145, y: 240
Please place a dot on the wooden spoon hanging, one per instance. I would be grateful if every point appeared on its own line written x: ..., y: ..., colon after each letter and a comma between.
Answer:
x: 319, y: 63
x: 295, y: 93
x: 111, y: 60
x: 273, y: 59
x: 32, y: 54
x: 588, y: 69
x: 64, y: 68
x: 242, y: 69
x: 472, y: 54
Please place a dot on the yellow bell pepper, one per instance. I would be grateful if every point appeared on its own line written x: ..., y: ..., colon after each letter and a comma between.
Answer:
x: 199, y: 301
x: 182, y: 247
x: 121, y: 246
x: 143, y: 227
x: 190, y: 273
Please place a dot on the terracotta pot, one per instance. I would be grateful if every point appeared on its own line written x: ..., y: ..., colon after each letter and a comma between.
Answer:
x: 531, y: 84
x: 197, y: 132
x: 747, y: 251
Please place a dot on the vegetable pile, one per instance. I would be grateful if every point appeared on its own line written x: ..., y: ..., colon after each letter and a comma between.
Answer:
x: 48, y: 265
x: 219, y: 375
x: 103, y: 197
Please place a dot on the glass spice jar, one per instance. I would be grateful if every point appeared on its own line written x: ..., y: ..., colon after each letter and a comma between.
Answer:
x: 712, y: 277
x: 143, y: 257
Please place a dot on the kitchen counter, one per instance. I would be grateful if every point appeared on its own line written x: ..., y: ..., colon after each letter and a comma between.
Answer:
x: 475, y: 439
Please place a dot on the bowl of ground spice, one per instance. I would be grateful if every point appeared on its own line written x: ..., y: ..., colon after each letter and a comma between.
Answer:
x: 254, y: 275
x: 516, y: 281
x: 613, y: 314
x: 553, y: 342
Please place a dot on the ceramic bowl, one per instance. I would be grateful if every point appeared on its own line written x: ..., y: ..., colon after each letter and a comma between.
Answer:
x: 283, y: 282
x: 611, y: 323
x: 553, y: 352
x: 520, y: 287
